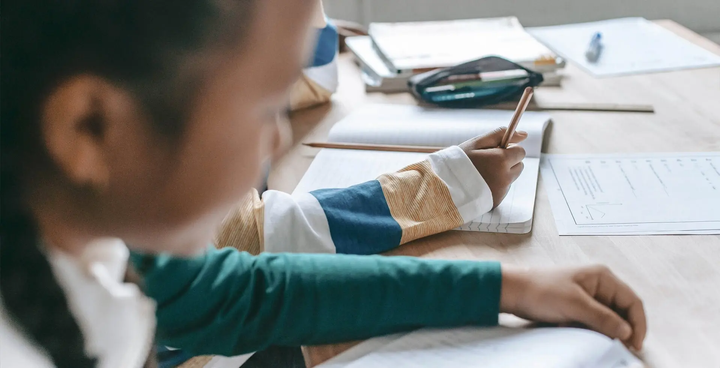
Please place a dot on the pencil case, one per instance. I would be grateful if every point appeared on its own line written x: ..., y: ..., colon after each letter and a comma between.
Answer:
x: 486, y: 81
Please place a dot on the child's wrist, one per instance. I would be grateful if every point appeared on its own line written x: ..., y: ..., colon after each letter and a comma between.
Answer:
x: 513, y: 288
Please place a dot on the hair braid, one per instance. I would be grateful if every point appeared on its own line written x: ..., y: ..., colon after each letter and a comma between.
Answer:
x: 30, y: 292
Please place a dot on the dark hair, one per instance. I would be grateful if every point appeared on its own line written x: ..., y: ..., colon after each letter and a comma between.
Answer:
x: 137, y: 44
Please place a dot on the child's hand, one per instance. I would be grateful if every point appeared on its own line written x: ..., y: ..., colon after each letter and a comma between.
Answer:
x: 591, y: 296
x: 499, y: 167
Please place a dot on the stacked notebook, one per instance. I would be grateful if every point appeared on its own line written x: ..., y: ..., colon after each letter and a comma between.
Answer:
x: 395, y: 51
x: 417, y: 126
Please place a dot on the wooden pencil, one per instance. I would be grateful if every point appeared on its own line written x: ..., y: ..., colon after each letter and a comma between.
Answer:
x: 590, y: 107
x: 522, y: 105
x: 375, y: 147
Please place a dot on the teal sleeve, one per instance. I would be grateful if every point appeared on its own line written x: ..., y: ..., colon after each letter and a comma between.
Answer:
x: 227, y: 302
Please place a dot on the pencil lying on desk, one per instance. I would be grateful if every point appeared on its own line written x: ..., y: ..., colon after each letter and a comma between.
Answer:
x: 568, y: 106
x: 375, y: 147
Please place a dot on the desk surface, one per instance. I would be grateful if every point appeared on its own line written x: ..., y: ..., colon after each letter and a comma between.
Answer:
x: 678, y: 277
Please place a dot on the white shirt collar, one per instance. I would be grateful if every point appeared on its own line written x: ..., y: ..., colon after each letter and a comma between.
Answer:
x: 116, y: 319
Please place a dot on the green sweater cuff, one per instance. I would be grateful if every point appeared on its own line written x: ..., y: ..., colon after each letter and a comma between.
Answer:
x: 227, y: 302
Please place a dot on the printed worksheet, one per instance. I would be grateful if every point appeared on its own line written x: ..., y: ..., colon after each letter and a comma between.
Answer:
x: 627, y: 194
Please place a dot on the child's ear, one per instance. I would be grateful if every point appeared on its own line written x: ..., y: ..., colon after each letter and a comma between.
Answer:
x: 77, y: 117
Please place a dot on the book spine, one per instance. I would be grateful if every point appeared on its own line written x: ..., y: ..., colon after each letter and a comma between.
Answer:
x: 383, y: 56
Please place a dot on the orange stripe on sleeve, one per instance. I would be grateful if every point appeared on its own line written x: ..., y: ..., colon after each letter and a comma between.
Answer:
x: 419, y: 201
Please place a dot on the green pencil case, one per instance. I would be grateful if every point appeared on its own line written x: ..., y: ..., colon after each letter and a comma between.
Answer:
x: 486, y: 81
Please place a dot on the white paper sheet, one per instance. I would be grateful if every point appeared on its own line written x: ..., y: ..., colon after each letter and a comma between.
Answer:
x: 630, y: 46
x: 632, y: 194
x: 498, y: 347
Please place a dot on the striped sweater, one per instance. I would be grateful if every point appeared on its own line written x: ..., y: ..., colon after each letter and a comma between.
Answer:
x: 435, y: 195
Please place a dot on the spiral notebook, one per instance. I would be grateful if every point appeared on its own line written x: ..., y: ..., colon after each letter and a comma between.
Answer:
x: 418, y: 126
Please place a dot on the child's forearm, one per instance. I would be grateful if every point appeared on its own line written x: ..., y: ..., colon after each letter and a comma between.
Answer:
x: 438, y: 194
x: 228, y: 302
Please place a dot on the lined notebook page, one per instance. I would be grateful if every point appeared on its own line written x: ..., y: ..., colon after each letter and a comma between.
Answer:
x: 498, y: 347
x: 418, y: 126
x: 515, y: 213
x: 336, y: 168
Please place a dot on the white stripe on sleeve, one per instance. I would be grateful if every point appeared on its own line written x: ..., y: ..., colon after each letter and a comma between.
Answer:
x: 295, y: 224
x: 468, y: 189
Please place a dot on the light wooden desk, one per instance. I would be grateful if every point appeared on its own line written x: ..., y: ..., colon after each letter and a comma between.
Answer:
x: 678, y: 277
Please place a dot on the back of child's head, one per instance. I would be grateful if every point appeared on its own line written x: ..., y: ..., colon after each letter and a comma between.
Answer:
x: 136, y: 44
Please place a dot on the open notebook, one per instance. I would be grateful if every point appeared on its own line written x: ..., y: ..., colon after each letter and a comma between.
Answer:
x: 417, y: 126
x: 498, y: 347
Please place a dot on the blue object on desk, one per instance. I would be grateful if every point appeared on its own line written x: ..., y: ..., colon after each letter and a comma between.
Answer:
x: 594, y: 49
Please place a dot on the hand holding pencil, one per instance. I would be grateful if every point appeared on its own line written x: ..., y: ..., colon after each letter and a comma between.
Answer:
x: 519, y: 110
x: 497, y: 162
x: 499, y: 167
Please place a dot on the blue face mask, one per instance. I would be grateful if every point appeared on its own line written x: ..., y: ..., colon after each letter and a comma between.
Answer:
x: 477, y: 83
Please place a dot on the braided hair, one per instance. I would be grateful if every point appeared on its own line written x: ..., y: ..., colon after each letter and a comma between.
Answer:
x: 137, y: 44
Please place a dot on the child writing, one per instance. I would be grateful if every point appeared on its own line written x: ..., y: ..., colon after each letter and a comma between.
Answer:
x: 145, y: 121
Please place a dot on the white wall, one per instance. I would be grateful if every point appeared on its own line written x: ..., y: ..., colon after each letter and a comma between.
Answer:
x: 699, y: 15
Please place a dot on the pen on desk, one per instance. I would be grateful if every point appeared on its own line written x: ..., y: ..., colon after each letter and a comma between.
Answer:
x: 477, y: 80
x: 594, y: 49
x: 519, y: 110
x: 488, y: 76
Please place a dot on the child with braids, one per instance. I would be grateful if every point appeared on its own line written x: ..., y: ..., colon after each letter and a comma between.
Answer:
x: 137, y: 124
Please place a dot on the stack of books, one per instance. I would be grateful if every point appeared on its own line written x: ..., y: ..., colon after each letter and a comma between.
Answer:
x: 393, y: 52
